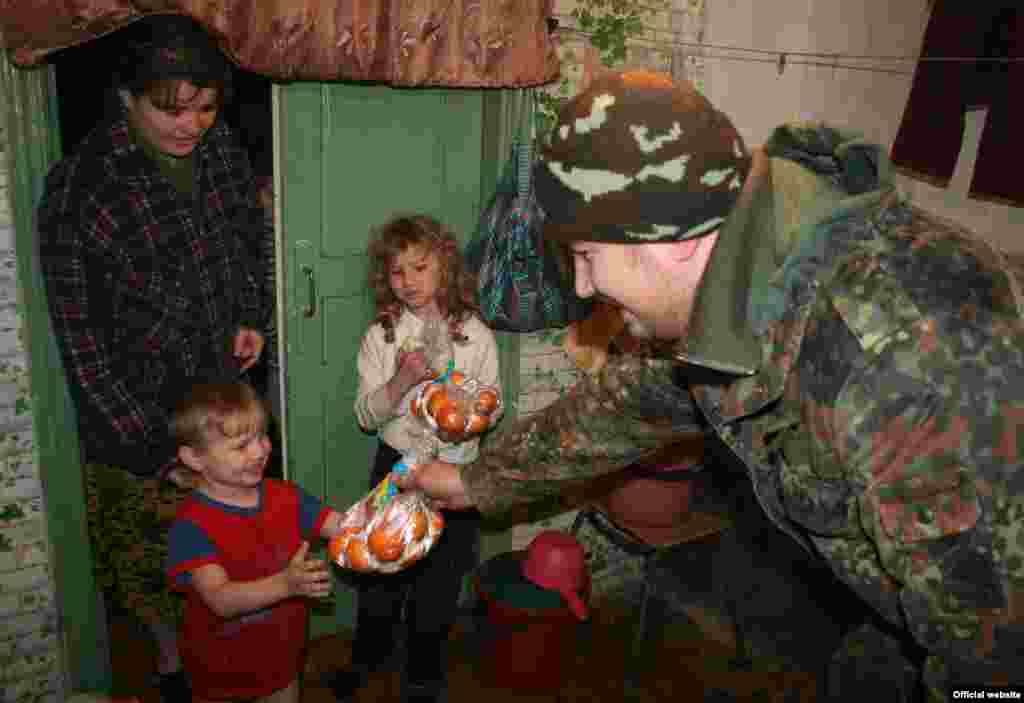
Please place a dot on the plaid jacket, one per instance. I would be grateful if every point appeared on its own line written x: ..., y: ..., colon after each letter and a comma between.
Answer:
x: 143, y: 299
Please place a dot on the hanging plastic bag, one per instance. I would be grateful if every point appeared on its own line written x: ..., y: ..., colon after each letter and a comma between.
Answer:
x: 522, y: 285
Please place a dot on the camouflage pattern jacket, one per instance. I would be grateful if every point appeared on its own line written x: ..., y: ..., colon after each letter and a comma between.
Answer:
x: 865, y: 362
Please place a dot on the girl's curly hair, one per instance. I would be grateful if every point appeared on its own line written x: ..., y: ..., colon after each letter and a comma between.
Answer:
x: 457, y: 296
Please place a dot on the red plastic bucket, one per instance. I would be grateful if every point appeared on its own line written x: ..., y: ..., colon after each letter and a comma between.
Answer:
x: 531, y: 638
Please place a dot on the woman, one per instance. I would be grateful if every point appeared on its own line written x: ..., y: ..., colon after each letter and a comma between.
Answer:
x: 150, y: 236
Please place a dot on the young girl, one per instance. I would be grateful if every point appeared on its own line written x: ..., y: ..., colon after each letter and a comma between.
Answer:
x: 417, y: 276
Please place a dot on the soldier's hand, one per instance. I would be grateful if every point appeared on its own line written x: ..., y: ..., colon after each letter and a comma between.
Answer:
x: 439, y: 481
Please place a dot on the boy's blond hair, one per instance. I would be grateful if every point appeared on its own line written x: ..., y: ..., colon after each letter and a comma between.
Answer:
x: 212, y: 411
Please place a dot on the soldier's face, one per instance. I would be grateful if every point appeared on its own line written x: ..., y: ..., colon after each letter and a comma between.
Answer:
x: 627, y: 276
x: 654, y: 284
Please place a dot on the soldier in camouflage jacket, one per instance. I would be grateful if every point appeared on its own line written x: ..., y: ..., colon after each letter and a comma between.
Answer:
x: 862, y: 359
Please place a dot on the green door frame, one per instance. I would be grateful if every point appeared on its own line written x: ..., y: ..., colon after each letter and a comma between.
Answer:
x: 30, y: 122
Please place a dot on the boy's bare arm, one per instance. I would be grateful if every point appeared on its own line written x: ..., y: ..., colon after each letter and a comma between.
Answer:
x: 227, y: 598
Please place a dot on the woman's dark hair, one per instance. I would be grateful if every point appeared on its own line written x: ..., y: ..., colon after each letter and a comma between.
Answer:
x: 158, y: 51
x: 457, y: 299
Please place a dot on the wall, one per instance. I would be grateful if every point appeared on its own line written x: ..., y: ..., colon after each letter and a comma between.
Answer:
x: 868, y: 94
x: 30, y: 662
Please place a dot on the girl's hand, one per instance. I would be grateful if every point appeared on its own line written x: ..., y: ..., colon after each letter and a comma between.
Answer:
x: 412, y: 369
x: 307, y: 577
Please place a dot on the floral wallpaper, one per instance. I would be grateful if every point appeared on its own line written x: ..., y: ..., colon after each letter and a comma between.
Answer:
x: 30, y: 642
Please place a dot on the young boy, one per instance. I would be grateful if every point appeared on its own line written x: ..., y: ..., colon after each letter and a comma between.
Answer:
x: 238, y: 549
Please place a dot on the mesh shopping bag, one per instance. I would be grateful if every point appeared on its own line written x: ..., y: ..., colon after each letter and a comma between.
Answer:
x: 524, y: 283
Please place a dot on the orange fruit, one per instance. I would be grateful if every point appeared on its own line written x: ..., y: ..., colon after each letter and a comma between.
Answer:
x: 486, y: 401
x: 419, y: 525
x: 386, y: 542
x: 334, y: 548
x: 336, y: 545
x: 357, y: 555
x: 477, y: 424
x: 437, y: 399
x: 457, y: 377
x: 451, y: 419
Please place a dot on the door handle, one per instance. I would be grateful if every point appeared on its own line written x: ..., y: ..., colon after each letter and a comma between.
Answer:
x: 310, y: 309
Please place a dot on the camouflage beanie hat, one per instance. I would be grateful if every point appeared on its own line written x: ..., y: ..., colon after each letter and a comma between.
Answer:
x: 639, y: 158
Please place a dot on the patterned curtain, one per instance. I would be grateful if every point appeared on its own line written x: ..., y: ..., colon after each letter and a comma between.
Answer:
x: 468, y: 43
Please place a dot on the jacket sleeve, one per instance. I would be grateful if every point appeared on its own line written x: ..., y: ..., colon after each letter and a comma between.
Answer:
x: 926, y: 545
x: 372, y: 404
x: 127, y: 425
x: 603, y: 424
x: 912, y: 430
x: 257, y: 307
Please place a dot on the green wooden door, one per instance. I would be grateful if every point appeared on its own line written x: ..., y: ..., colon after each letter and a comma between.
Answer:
x: 350, y: 157
x: 29, y: 120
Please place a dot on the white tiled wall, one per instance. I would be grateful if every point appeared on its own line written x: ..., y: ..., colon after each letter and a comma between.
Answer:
x: 870, y: 98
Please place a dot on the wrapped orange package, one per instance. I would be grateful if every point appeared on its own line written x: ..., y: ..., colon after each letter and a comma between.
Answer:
x: 455, y: 408
x: 389, y: 530
x: 386, y: 531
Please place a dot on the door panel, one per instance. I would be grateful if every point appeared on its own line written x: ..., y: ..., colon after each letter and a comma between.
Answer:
x: 351, y: 157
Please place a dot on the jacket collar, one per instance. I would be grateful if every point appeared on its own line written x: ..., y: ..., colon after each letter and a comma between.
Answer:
x: 806, y: 175
x: 720, y: 336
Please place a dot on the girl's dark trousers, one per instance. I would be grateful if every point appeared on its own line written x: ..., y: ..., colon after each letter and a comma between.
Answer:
x: 423, y: 598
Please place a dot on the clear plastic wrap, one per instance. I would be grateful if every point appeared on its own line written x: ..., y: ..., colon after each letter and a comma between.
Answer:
x: 455, y: 408
x: 435, y: 341
x: 387, y: 530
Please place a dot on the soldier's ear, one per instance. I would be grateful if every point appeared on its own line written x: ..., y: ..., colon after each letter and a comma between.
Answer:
x: 684, y: 254
x: 686, y: 249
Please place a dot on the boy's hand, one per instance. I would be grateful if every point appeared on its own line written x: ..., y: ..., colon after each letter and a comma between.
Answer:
x: 307, y: 577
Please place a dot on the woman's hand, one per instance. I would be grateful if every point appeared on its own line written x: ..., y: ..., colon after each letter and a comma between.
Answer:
x: 183, y: 477
x: 248, y: 347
